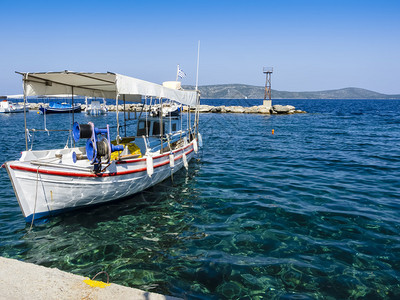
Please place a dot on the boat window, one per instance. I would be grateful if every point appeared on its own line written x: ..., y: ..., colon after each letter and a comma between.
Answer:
x: 156, y: 128
x: 142, y: 128
x: 173, y: 126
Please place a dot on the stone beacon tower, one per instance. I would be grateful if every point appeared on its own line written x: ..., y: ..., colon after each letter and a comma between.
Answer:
x: 267, y: 95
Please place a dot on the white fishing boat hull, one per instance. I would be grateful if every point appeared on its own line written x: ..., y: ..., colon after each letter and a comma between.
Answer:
x: 9, y: 107
x: 46, y: 189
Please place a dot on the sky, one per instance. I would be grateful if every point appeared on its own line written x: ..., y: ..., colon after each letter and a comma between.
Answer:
x: 311, y: 45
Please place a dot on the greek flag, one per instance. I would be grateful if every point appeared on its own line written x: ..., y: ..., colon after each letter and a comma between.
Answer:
x: 181, y: 74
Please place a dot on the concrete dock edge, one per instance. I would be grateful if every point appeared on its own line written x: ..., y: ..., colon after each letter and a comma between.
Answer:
x: 21, y: 280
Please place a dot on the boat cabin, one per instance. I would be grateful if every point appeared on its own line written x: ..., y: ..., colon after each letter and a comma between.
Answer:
x: 152, y: 126
x: 149, y: 134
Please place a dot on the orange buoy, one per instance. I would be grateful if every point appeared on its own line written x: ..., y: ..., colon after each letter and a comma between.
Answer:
x: 273, y: 131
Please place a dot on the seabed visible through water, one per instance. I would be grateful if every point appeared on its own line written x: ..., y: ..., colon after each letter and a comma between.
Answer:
x: 308, y: 212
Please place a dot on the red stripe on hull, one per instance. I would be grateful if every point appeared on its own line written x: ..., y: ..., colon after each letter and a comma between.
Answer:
x: 72, y: 174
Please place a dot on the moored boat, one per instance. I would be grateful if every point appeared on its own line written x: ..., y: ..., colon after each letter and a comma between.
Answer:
x: 95, y: 108
x: 47, y: 182
x: 57, y: 108
x: 7, y: 106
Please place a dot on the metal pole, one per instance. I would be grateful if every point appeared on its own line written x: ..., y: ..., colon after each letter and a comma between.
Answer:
x: 124, y: 115
x: 25, y: 78
x: 161, y: 127
x: 190, y: 124
x: 116, y: 102
x: 196, y: 116
x: 73, y: 113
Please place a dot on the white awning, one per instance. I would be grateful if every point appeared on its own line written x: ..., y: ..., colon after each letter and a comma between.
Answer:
x: 104, y: 85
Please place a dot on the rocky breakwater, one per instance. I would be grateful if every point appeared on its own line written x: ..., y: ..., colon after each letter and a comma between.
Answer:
x: 261, y: 109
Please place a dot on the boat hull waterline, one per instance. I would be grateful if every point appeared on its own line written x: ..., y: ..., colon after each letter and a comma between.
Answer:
x: 44, y: 190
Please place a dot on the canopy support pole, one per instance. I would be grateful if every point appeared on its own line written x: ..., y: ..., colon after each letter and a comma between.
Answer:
x: 190, y: 123
x: 161, y: 127
x: 26, y: 133
x: 73, y: 111
x: 197, y: 117
x: 124, y: 115
x: 116, y: 102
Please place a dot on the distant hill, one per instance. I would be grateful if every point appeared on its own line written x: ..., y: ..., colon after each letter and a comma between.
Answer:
x: 240, y: 91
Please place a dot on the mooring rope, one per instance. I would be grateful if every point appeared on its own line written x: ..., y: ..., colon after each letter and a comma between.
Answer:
x: 34, y: 209
x: 108, y: 277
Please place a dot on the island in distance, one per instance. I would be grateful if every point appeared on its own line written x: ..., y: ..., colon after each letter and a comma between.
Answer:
x: 242, y: 91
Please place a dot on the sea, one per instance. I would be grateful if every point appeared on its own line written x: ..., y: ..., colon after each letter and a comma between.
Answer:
x: 302, y: 206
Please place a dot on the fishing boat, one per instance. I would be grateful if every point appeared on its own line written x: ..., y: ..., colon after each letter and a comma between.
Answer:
x: 95, y: 108
x: 7, y: 106
x: 103, y: 169
x: 59, y: 108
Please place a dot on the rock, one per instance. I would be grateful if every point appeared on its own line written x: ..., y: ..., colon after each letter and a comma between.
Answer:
x: 263, y: 110
x: 237, y: 109
x: 252, y: 110
x: 205, y: 108
x: 228, y: 109
x: 216, y: 109
x: 280, y: 109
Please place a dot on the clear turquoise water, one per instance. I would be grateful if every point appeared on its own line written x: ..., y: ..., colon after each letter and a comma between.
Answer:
x: 309, y: 212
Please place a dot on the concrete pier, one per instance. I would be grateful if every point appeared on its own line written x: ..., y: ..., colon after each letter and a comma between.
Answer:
x: 20, y: 280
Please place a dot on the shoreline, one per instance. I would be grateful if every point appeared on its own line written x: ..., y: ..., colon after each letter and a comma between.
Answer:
x: 22, y: 280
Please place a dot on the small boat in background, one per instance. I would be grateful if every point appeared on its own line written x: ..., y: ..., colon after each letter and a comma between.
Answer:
x: 57, y: 108
x: 95, y: 108
x: 168, y: 110
x: 6, y: 106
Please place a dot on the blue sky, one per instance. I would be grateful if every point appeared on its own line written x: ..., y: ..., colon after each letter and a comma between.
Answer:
x: 312, y: 45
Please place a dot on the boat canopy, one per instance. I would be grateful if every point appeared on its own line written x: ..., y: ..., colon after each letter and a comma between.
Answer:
x: 105, y: 85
